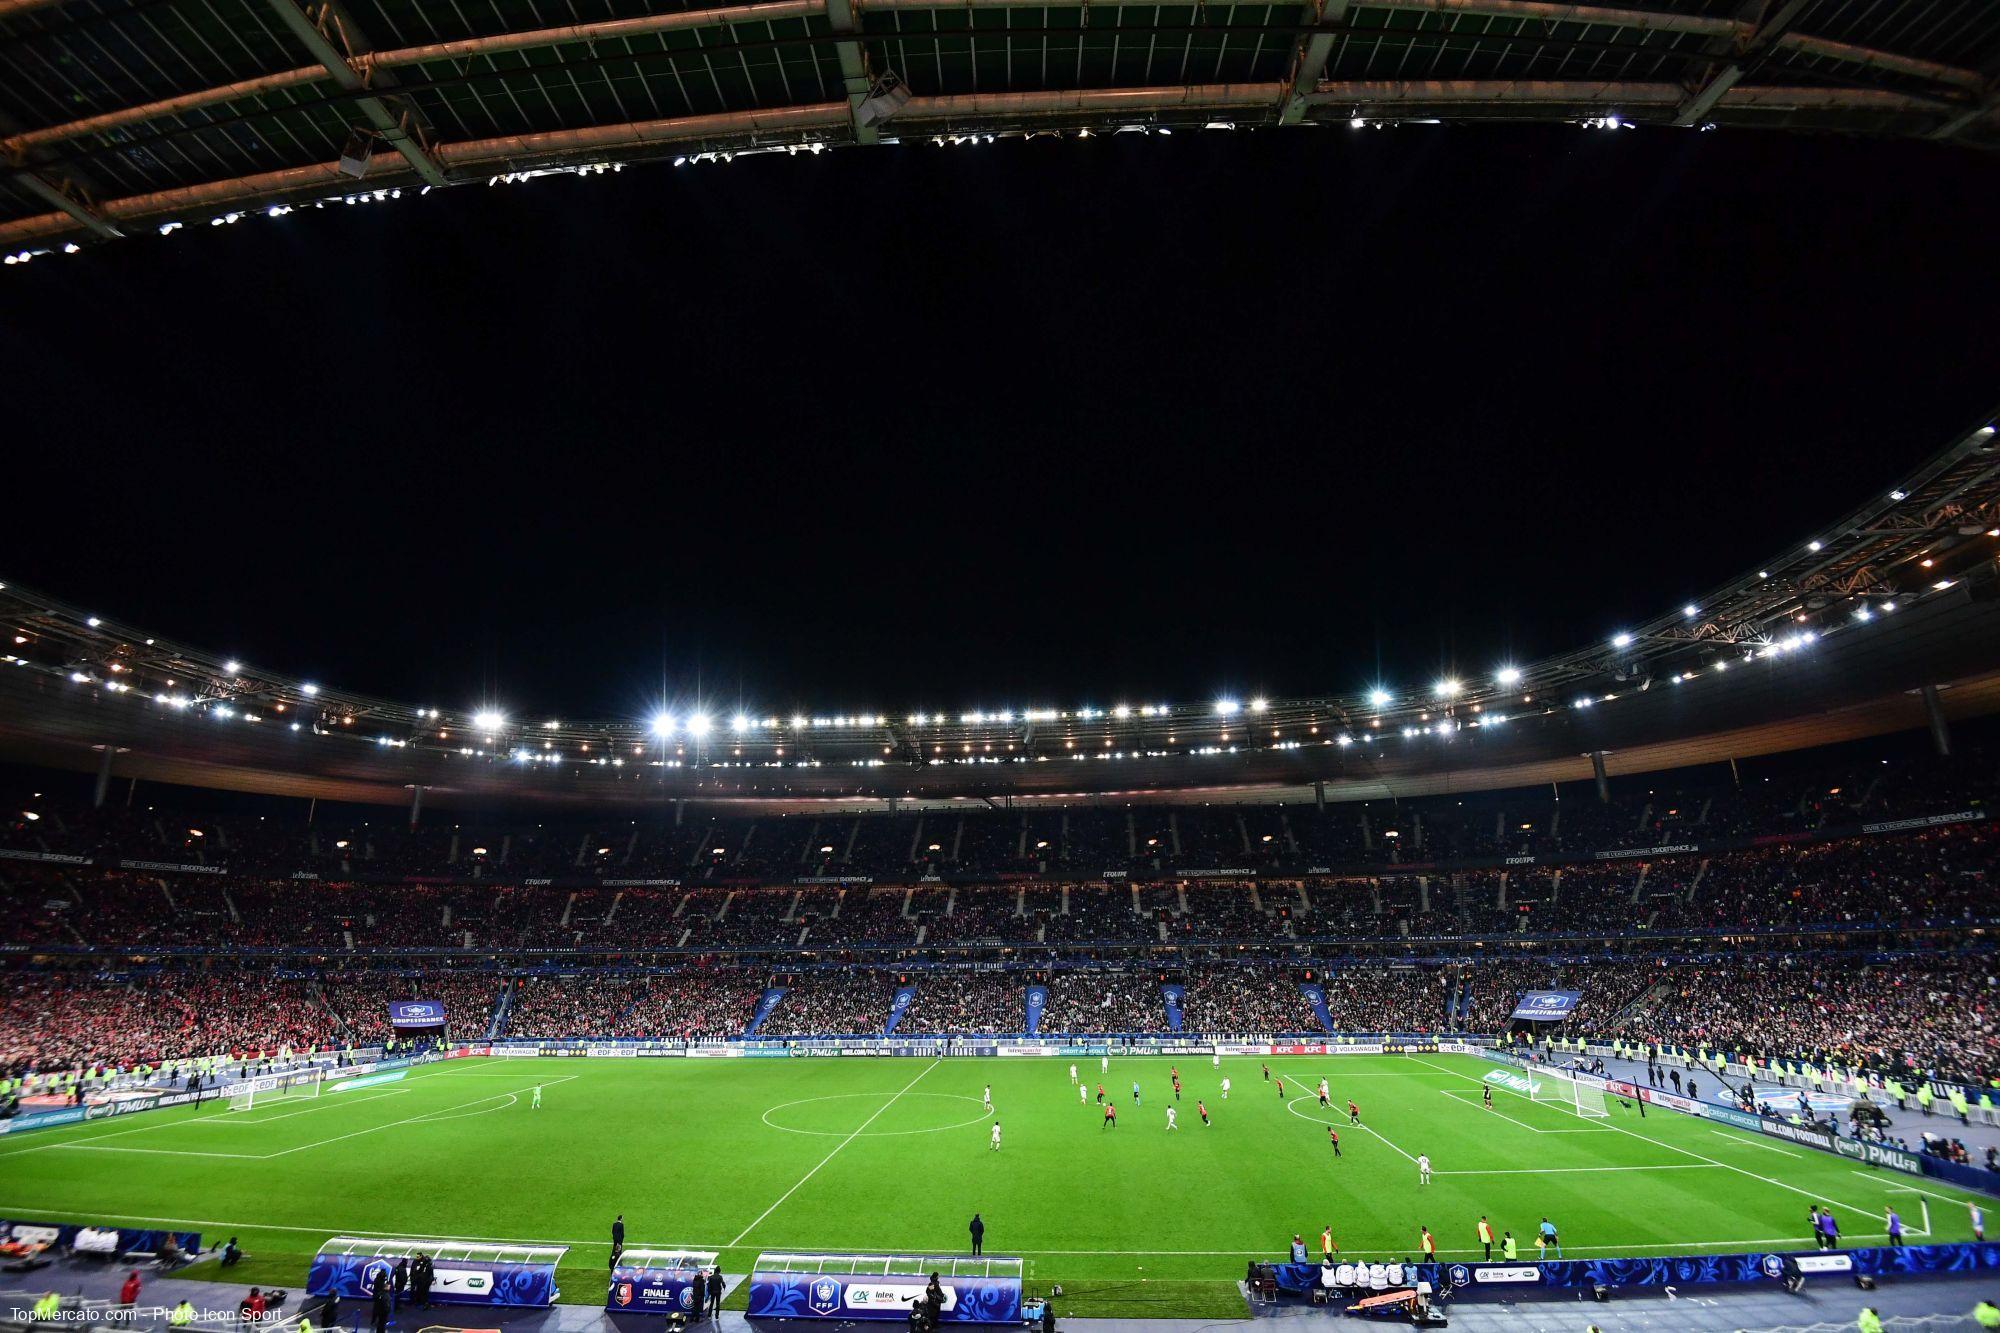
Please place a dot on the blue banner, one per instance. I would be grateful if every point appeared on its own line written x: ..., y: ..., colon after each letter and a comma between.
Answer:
x: 62, y: 1115
x: 62, y: 1235
x: 416, y: 1013
x: 1546, y: 1006
x: 899, y: 1006
x: 1316, y: 997
x: 1513, y: 1280
x: 765, y: 1004
x: 967, y: 1300
x: 1173, y: 996
x: 1038, y: 1003
x: 654, y: 1290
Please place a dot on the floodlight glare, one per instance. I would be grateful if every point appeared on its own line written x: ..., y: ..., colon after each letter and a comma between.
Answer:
x: 1258, y: 705
x: 699, y: 724
x: 232, y: 666
x: 739, y: 723
x: 1508, y: 675
x: 663, y: 724
x: 1379, y: 697
x: 488, y: 720
x: 1447, y: 689
x: 1621, y: 640
x: 1227, y: 707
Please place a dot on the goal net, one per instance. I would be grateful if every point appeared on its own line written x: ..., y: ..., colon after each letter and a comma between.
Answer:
x: 1564, y: 1089
x: 255, y: 1091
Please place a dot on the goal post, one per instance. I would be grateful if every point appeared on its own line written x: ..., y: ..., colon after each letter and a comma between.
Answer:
x: 251, y: 1091
x: 1562, y: 1088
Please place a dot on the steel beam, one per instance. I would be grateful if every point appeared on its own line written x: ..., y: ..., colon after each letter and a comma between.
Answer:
x: 370, y: 63
x: 1309, y: 56
x: 1727, y: 75
x: 853, y: 68
x: 78, y: 211
x: 1984, y: 108
x: 982, y: 111
x: 397, y: 130
x: 371, y: 67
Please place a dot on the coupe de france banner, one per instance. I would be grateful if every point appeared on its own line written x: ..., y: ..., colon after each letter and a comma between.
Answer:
x: 1546, y: 1006
x: 416, y: 1013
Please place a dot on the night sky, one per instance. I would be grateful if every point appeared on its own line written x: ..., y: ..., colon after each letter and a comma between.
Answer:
x: 1042, y: 424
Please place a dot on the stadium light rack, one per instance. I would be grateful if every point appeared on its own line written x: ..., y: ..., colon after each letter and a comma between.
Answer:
x: 1943, y: 506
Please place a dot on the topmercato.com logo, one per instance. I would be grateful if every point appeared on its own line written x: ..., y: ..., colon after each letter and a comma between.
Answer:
x: 115, y: 1314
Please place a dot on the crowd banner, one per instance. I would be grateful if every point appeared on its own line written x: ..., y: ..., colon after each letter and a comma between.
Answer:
x: 978, y: 1290
x: 657, y: 1281
x: 464, y: 1272
x: 416, y: 1013
x: 1565, y: 1277
x: 1546, y: 1006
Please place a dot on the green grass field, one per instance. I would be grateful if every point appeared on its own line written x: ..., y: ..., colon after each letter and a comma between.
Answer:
x: 892, y: 1154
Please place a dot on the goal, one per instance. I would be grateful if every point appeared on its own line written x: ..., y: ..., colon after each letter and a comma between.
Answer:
x: 250, y: 1092
x: 1564, y: 1089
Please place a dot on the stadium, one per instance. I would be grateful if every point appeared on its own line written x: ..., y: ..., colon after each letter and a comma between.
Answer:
x: 1255, y: 959
x: 1324, y: 664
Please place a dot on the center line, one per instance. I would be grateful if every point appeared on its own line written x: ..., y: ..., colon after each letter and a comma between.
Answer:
x: 835, y: 1153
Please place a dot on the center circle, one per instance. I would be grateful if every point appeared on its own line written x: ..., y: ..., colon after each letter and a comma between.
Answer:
x: 929, y: 1106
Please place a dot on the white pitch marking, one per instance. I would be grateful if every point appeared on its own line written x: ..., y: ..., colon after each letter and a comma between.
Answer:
x: 1749, y: 1142
x: 407, y: 1120
x: 1685, y: 1152
x: 1466, y: 1094
x: 319, y: 1104
x: 1575, y: 1170
x: 835, y: 1153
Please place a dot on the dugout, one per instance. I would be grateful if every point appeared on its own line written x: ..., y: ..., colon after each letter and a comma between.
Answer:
x: 978, y: 1289
x: 465, y: 1272
x: 658, y: 1281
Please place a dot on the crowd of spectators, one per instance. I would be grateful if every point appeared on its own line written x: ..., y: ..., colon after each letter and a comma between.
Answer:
x: 832, y: 1004
x: 1911, y: 1012
x: 1105, y: 1001
x: 1251, y: 998
x: 1917, y: 1012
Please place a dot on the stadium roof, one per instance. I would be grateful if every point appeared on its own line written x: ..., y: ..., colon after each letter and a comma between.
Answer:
x: 1833, y: 637
x: 119, y: 116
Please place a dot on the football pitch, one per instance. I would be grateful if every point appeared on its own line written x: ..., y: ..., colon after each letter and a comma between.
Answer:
x: 743, y: 1155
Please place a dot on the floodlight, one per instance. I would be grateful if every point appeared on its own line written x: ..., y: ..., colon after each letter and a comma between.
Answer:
x: 1379, y: 697
x: 488, y: 720
x: 1508, y: 675
x: 698, y: 724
